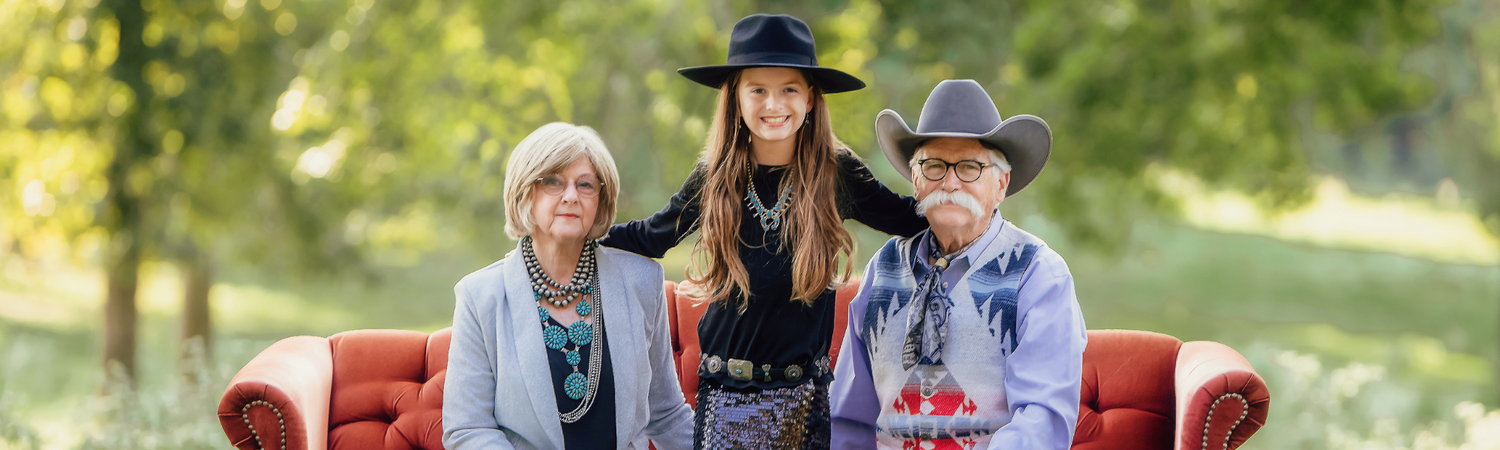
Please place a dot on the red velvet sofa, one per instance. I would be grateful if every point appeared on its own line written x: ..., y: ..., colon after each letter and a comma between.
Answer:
x: 383, y: 389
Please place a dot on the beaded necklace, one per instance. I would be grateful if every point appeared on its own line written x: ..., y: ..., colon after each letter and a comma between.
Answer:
x: 543, y: 285
x: 576, y: 386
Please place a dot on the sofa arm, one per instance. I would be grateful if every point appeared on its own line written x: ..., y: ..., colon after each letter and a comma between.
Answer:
x: 1221, y: 401
x: 279, y: 400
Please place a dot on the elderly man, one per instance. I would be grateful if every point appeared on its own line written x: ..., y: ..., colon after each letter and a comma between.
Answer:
x: 969, y: 334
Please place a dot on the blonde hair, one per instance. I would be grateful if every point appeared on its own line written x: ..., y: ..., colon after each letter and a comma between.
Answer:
x: 547, y: 151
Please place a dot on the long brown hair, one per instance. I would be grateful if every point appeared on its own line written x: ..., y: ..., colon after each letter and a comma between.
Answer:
x: 813, y: 222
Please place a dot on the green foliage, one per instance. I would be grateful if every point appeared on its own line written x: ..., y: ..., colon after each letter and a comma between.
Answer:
x: 176, y: 417
x: 434, y: 102
x: 14, y: 432
x: 1223, y: 90
x: 332, y: 130
x: 303, y: 138
x: 1355, y: 406
x: 166, y: 409
x: 1466, y: 119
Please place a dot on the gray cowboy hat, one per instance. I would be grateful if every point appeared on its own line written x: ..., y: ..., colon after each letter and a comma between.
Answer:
x: 962, y: 109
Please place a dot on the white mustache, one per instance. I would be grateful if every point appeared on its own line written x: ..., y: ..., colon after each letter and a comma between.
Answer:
x: 959, y: 198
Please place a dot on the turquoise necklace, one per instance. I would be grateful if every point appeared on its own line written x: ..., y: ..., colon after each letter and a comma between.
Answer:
x: 576, y: 386
x: 770, y: 219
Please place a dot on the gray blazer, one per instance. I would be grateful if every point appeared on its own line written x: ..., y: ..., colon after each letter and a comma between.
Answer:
x: 499, y: 392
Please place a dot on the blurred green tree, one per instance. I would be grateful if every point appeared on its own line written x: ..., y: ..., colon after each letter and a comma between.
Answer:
x: 1221, y: 90
x: 57, y: 154
x: 201, y: 78
x: 434, y: 94
x: 172, y: 136
x: 309, y: 137
x: 1465, y: 116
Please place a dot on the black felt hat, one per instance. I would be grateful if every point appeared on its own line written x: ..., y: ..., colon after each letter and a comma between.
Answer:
x: 764, y: 40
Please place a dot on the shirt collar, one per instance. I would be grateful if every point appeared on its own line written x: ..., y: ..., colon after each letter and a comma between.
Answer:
x: 980, y: 244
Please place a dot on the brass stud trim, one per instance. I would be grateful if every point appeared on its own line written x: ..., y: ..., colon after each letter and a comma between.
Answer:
x: 1209, y: 420
x: 280, y: 421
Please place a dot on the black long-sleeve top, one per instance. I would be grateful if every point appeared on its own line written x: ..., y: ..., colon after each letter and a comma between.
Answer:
x: 772, y: 329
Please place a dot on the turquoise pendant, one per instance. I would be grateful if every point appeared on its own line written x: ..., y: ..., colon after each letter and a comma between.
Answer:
x: 554, y: 337
x: 584, y: 309
x: 573, y: 358
x: 575, y: 386
x: 581, y: 333
x: 540, y: 311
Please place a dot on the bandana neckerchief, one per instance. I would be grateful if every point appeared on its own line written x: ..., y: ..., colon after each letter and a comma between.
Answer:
x: 928, y: 327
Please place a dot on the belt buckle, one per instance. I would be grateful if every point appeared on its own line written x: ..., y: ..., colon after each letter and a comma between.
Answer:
x: 740, y: 369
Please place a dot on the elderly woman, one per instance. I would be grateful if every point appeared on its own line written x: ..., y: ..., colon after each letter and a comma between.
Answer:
x: 562, y: 344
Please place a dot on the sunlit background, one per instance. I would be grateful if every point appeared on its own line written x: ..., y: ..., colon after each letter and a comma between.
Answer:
x: 1313, y: 183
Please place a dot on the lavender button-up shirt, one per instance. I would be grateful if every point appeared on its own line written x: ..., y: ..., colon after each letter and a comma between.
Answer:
x: 1043, y: 375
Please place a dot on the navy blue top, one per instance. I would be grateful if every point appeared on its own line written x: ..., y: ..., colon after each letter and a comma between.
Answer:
x: 596, y: 429
x: 772, y: 330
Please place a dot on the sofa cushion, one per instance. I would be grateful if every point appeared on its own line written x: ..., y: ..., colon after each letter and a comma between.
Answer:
x: 1128, y: 391
x: 684, y: 316
x: 387, y: 390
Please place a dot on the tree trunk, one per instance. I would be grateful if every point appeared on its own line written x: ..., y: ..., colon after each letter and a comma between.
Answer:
x: 123, y: 208
x: 197, y: 330
x: 119, y: 309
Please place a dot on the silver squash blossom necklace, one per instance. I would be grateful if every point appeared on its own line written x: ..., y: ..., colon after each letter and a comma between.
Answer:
x: 770, y: 219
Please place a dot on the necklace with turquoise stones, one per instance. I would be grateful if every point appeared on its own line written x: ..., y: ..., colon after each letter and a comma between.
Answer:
x: 770, y: 219
x: 576, y: 386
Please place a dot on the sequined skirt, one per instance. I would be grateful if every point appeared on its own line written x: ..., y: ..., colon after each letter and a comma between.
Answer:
x: 793, y: 417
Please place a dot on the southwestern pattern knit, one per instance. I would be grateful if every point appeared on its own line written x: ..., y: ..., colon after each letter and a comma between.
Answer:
x: 1010, y: 362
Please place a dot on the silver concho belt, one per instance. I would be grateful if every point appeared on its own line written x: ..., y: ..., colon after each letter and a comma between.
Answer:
x: 743, y: 370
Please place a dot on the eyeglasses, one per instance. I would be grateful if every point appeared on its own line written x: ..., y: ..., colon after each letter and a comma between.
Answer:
x: 967, y: 170
x: 555, y: 184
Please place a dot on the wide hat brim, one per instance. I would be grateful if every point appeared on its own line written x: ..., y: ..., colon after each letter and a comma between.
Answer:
x: 1024, y: 139
x: 773, y: 40
x: 831, y: 81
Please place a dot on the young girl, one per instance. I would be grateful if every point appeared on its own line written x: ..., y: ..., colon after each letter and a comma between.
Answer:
x: 769, y: 194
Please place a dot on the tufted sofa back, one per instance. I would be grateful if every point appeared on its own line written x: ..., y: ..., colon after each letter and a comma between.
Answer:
x: 383, y: 389
x: 1128, y: 390
x: 387, y: 390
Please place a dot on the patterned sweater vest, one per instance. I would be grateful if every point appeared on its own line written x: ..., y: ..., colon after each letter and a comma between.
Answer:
x: 961, y: 402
